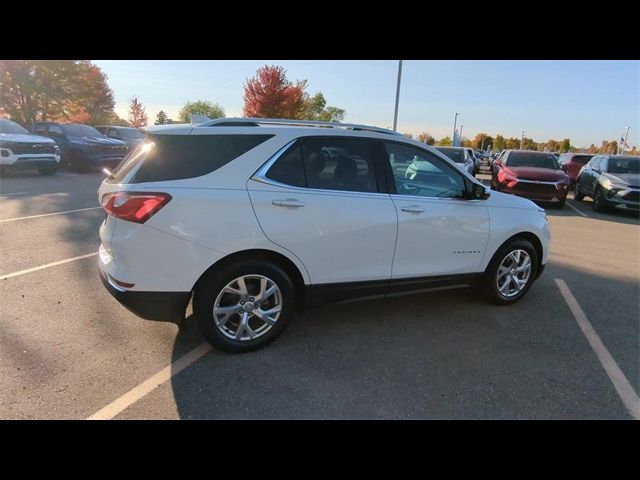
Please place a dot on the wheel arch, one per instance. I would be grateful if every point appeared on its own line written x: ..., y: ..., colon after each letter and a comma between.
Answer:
x: 530, y: 237
x: 279, y: 259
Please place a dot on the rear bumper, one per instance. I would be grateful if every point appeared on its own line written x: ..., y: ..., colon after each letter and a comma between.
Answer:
x: 159, y: 306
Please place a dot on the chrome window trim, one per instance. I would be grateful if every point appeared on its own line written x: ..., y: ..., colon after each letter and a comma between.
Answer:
x: 261, y: 176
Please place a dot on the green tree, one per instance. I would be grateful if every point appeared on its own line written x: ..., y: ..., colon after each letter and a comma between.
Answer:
x: 528, y: 144
x: 499, y: 143
x: 200, y: 107
x: 316, y: 109
x: 161, y: 118
x: 424, y: 137
x: 565, y: 145
x: 446, y: 141
x: 552, y: 145
x: 512, y: 143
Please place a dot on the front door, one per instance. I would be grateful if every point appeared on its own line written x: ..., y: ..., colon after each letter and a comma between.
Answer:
x: 439, y: 232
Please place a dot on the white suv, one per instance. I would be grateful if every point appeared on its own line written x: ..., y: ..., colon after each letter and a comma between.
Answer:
x: 255, y: 218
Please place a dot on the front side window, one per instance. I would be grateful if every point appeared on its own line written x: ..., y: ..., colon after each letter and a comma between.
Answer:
x: 113, y: 133
x: 56, y: 131
x: 425, y: 175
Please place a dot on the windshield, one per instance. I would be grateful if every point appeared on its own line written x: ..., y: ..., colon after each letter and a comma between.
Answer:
x: 455, y: 154
x: 132, y: 133
x: 527, y: 159
x: 75, y: 130
x: 7, y: 126
x: 624, y: 165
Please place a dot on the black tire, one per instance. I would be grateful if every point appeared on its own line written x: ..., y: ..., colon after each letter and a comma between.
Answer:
x: 579, y: 196
x: 48, y: 171
x: 599, y: 202
x: 489, y: 282
x: 209, y: 287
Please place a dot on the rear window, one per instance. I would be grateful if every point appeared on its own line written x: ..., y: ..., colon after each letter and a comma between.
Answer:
x: 526, y: 159
x: 453, y: 153
x: 175, y: 157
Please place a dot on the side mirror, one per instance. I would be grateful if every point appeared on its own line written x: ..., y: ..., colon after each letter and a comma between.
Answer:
x: 476, y: 192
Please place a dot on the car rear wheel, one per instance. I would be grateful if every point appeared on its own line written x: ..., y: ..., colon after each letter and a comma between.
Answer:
x: 511, y: 272
x: 244, y: 306
x: 579, y: 196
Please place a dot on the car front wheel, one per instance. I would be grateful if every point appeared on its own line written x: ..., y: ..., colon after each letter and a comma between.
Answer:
x: 511, y: 272
x: 599, y: 202
x: 579, y: 196
x: 244, y: 306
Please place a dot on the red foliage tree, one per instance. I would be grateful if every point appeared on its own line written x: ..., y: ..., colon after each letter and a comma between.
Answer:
x: 271, y: 95
x: 137, y: 114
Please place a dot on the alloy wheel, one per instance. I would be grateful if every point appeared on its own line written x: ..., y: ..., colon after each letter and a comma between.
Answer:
x: 513, y: 273
x: 247, y: 307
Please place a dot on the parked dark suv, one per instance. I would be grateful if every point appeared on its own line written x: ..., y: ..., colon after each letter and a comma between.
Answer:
x: 82, y: 147
x: 129, y: 135
x: 612, y: 181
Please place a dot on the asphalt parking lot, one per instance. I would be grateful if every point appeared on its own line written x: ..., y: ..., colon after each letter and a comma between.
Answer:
x: 68, y: 350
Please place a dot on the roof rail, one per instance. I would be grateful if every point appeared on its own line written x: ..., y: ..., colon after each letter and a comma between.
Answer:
x: 255, y: 122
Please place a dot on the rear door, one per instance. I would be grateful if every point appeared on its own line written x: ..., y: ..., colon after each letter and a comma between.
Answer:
x: 323, y: 199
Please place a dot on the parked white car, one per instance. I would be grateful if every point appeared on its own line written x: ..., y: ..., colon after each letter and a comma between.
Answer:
x: 253, y: 219
x: 20, y: 150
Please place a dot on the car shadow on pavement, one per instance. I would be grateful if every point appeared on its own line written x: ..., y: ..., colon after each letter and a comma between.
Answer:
x: 436, y: 355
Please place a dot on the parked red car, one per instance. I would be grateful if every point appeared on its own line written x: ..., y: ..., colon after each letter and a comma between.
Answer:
x: 533, y: 175
x: 571, y: 163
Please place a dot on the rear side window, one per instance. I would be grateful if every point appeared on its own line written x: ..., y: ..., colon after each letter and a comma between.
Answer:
x: 327, y: 164
x: 289, y: 168
x: 175, y: 157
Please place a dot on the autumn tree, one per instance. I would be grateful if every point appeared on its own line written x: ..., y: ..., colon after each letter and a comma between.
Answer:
x: 482, y: 140
x: 57, y: 90
x: 269, y: 94
x: 446, y: 141
x: 161, y: 118
x: 137, y: 114
x: 424, y: 137
x: 200, y: 107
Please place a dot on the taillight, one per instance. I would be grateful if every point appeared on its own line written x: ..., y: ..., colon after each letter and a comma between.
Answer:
x: 507, y: 176
x: 135, y: 207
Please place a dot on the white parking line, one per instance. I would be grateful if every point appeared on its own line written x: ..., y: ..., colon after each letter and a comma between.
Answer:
x: 625, y: 391
x: 576, y: 210
x: 11, y: 194
x: 48, y: 214
x: 48, y: 265
x: 146, y: 387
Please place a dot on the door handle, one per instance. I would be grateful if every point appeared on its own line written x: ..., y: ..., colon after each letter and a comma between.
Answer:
x: 289, y: 202
x: 412, y: 209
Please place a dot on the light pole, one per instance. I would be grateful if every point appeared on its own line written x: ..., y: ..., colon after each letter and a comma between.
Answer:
x: 460, y: 139
x: 626, y: 135
x: 395, y: 114
x: 455, y: 120
x: 522, y: 138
